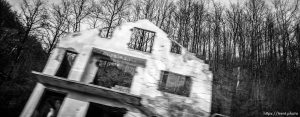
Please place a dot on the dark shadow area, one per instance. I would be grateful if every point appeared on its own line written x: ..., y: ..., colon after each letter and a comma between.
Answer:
x: 113, y: 73
x: 175, y: 83
x: 175, y: 48
x: 98, y: 110
x: 66, y: 64
x: 49, y: 104
x: 20, y: 53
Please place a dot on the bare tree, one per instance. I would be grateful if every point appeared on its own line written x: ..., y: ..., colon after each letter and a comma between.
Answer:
x: 182, y: 17
x: 94, y: 19
x: 199, y: 15
x: 165, y: 8
x: 113, y: 13
x: 285, y: 14
x: 80, y: 10
x: 57, y: 24
x: 32, y: 15
x: 137, y: 11
x: 149, y: 9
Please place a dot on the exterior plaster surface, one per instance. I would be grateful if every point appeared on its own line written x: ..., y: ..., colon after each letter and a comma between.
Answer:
x: 146, y: 80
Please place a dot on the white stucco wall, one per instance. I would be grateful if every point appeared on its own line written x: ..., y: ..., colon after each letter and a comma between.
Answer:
x: 145, y: 82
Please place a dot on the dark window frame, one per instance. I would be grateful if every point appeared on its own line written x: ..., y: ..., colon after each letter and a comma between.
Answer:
x: 142, y: 43
x: 108, y: 65
x: 126, y: 61
x: 175, y: 48
x: 46, y: 99
x: 164, y: 75
x: 62, y: 71
x: 101, y: 109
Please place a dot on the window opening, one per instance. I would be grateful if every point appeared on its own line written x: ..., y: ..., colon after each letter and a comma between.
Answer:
x: 106, y: 32
x: 49, y: 104
x: 141, y: 40
x: 99, y: 110
x: 175, y: 48
x: 114, y: 72
x: 175, y: 83
x: 66, y: 64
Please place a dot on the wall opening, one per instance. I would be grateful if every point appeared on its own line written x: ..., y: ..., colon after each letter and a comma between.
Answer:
x: 99, y: 110
x: 175, y: 48
x: 106, y: 32
x: 66, y: 64
x: 114, y: 70
x: 175, y: 83
x: 141, y: 40
x: 49, y: 104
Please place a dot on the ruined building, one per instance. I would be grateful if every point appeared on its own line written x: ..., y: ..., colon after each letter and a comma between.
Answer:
x: 127, y: 72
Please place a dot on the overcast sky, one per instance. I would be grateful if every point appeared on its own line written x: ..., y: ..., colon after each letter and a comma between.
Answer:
x: 16, y: 3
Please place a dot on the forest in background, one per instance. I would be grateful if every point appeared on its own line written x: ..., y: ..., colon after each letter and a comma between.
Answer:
x: 20, y: 53
x: 253, y: 48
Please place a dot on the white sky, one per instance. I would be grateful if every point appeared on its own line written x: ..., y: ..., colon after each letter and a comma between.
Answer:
x: 16, y: 3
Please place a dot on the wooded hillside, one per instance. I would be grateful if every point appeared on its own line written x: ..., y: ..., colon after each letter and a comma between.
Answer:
x: 253, y: 48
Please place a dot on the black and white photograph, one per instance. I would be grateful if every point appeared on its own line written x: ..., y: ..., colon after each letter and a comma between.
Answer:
x: 149, y: 58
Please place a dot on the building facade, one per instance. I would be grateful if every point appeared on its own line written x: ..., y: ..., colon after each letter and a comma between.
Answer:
x: 127, y: 72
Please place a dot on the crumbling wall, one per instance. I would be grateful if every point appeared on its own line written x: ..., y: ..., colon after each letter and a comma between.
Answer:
x: 199, y: 101
x: 145, y: 82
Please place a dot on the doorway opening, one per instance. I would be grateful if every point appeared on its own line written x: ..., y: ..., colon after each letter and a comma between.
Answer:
x: 99, y: 110
x: 66, y: 64
x: 49, y: 104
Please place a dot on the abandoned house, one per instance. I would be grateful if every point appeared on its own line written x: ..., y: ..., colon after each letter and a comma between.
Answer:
x: 127, y: 71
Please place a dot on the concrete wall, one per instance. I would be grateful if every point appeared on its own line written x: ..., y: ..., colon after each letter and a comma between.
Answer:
x: 51, y: 67
x: 145, y: 82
